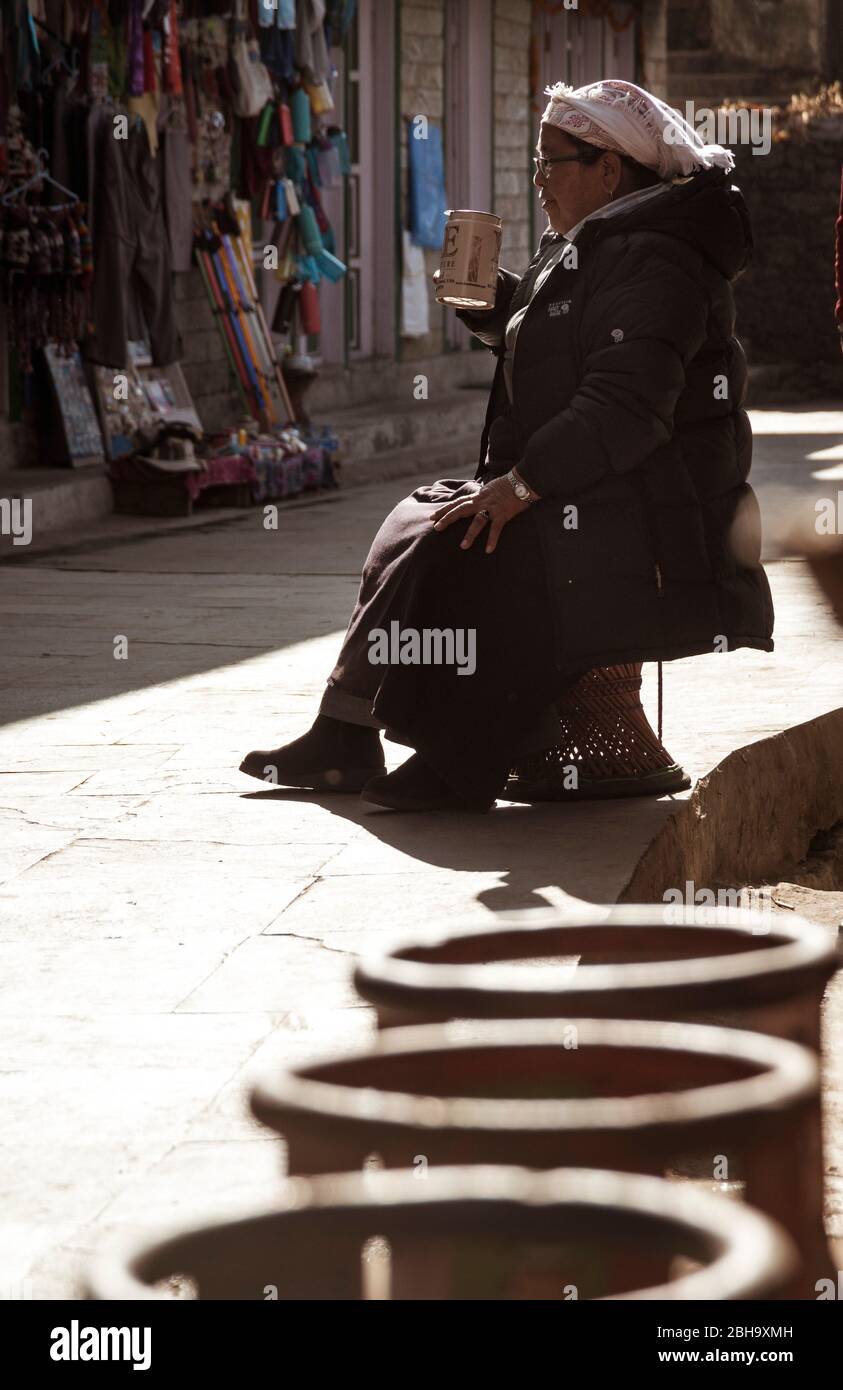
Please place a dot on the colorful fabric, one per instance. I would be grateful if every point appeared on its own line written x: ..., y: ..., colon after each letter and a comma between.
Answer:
x: 136, y: 50
x: 277, y: 14
x: 225, y: 470
x: 172, y: 54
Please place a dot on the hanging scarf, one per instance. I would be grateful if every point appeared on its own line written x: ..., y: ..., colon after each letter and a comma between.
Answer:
x: 619, y: 116
x: 172, y: 58
x: 136, y: 50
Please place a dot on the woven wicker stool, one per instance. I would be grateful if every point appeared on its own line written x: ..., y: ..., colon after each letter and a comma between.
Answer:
x: 606, y: 746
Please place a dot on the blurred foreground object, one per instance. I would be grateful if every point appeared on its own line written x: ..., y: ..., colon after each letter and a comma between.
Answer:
x: 464, y: 1233
x: 642, y: 1097
x: 731, y: 966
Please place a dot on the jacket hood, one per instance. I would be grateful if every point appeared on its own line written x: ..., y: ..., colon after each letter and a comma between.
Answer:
x: 707, y: 211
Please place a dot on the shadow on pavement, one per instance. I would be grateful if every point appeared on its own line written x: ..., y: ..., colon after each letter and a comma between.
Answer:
x: 588, y: 851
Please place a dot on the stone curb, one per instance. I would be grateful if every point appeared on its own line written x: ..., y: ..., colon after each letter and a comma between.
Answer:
x: 752, y: 818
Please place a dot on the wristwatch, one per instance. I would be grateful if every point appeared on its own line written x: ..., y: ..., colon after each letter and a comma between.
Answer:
x: 522, y: 492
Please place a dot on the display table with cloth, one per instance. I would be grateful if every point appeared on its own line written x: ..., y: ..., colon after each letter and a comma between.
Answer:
x: 170, y: 487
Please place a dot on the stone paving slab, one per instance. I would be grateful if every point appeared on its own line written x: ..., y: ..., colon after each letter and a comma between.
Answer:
x: 154, y: 973
x: 257, y: 976
x: 140, y: 912
x: 226, y: 1177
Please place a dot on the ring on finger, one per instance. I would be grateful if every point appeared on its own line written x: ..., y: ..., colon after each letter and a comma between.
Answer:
x: 486, y: 514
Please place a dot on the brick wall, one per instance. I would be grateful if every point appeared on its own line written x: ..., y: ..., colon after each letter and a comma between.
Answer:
x: 786, y: 299
x: 204, y: 362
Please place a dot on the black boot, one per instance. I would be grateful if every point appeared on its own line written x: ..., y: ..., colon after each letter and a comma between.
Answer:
x: 332, y: 756
x: 414, y: 786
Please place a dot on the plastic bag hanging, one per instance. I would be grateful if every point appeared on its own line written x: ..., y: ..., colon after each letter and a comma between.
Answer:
x: 320, y: 98
x: 300, y: 107
x: 309, y: 230
x: 313, y: 165
x: 415, y: 306
x: 296, y: 168
x: 339, y: 140
x: 328, y: 162
x: 309, y: 305
x: 331, y: 266
x: 265, y: 125
x: 285, y: 120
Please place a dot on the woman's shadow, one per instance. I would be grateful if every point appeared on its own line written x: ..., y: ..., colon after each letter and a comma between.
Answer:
x: 587, y: 849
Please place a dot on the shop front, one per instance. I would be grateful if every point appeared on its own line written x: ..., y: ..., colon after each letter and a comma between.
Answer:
x: 182, y: 210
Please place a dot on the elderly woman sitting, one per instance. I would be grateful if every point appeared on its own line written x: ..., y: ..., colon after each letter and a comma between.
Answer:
x: 610, y: 519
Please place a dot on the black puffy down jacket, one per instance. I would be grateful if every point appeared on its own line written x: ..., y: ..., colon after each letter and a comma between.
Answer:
x: 628, y: 386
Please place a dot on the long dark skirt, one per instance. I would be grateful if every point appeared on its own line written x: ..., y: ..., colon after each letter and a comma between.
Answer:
x: 469, y: 727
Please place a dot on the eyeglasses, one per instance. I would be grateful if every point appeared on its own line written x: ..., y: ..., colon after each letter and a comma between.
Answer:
x: 544, y: 165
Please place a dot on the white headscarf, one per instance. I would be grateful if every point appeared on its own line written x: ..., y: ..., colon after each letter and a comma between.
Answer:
x: 619, y: 116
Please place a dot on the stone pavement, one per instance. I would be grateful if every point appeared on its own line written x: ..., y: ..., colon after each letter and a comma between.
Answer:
x: 169, y: 927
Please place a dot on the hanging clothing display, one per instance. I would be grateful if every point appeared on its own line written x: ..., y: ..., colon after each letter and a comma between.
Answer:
x: 427, y: 187
x: 131, y: 251
x: 280, y: 14
x: 176, y: 154
x: 311, y: 49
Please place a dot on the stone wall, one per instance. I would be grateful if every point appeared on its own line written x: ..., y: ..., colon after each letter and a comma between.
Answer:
x: 204, y: 361
x: 751, y: 50
x: 511, y: 170
x: 770, y: 34
x: 653, y: 49
x: 689, y: 24
x: 786, y: 299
